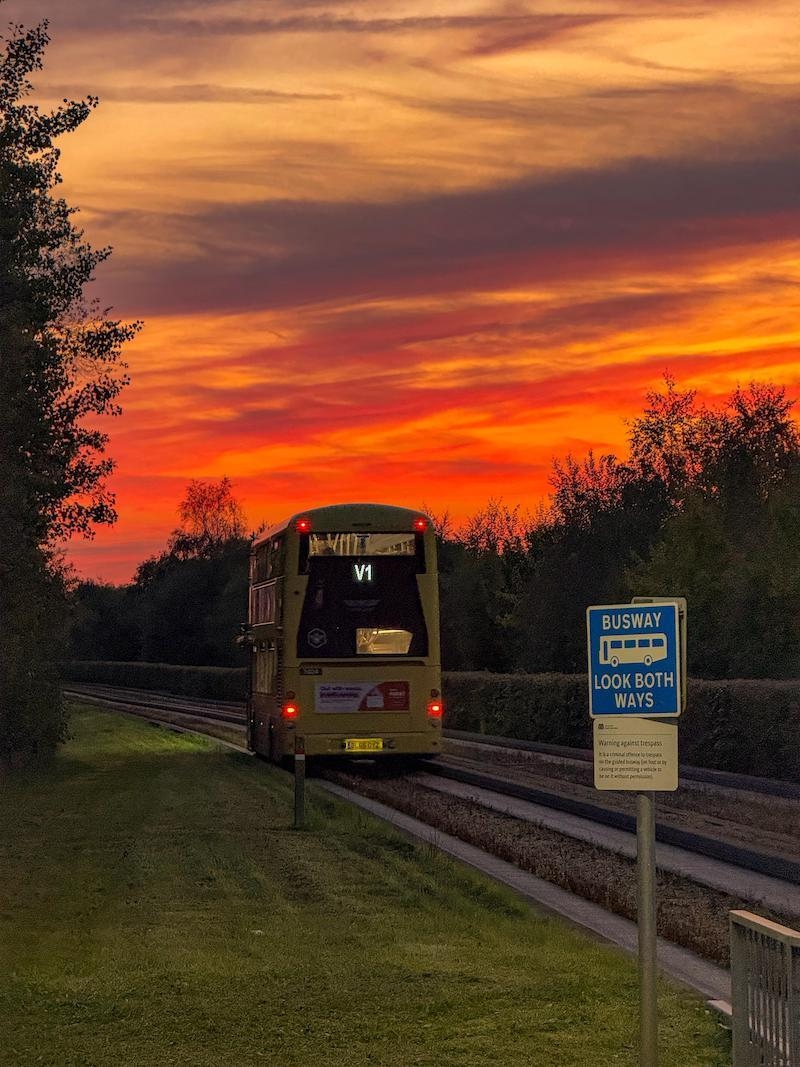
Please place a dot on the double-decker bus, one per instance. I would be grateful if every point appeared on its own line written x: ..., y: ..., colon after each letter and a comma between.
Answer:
x: 344, y: 630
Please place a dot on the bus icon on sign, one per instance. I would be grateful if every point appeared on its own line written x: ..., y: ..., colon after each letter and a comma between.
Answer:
x: 633, y: 648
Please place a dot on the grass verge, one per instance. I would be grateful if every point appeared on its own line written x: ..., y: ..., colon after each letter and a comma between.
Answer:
x: 157, y: 908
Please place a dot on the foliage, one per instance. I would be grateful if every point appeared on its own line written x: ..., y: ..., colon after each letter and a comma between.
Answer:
x: 210, y: 516
x: 604, y: 514
x: 186, y: 605
x: 548, y: 708
x: 103, y: 623
x: 59, y: 366
x: 216, y: 683
x: 190, y: 609
x: 192, y: 598
x: 731, y: 547
x: 482, y: 568
x: 32, y: 718
x: 703, y: 507
x: 554, y: 709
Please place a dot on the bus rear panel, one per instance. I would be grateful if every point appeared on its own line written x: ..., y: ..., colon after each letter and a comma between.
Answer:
x: 345, y: 629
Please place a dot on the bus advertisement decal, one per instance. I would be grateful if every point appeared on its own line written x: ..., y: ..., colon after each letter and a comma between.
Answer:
x: 362, y: 696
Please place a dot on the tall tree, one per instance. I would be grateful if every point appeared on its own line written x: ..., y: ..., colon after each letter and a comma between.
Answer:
x: 59, y: 364
x: 210, y: 515
x: 731, y: 546
x: 199, y: 582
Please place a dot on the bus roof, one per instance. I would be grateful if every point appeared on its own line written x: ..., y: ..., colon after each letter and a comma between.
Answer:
x: 335, y: 518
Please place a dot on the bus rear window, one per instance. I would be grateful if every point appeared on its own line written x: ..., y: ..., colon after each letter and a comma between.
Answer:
x: 362, y: 605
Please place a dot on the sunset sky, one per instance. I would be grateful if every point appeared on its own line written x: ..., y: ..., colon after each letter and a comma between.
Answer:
x: 410, y: 251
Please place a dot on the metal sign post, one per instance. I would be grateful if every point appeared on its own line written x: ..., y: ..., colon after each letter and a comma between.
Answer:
x: 646, y: 924
x: 637, y: 677
x: 299, y: 783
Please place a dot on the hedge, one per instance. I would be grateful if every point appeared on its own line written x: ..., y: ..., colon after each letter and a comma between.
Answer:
x: 751, y: 726
x: 216, y: 683
x: 747, y: 725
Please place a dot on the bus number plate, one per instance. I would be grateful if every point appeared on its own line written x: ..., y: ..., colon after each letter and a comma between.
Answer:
x: 363, y: 744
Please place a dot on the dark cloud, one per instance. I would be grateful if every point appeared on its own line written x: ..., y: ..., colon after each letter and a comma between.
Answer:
x: 621, y: 104
x: 208, y: 17
x: 495, y: 32
x: 503, y: 32
x: 281, y: 253
x: 529, y: 31
x: 177, y: 94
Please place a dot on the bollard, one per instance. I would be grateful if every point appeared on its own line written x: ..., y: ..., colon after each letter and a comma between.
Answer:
x: 299, y: 783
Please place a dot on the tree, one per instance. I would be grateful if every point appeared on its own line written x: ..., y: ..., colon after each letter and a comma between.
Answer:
x: 192, y: 598
x: 731, y: 545
x: 480, y: 569
x: 59, y: 363
x: 210, y: 516
x: 103, y: 623
x: 603, y: 515
x: 669, y: 441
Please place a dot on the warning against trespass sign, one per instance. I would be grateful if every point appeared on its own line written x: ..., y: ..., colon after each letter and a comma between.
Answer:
x: 361, y: 696
x: 635, y: 753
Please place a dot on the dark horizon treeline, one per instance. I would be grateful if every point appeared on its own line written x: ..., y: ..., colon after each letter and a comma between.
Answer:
x: 706, y: 506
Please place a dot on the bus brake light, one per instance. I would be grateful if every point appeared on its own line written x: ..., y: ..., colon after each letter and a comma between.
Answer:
x: 303, y: 525
x: 290, y: 711
x: 435, y: 709
x: 420, y: 524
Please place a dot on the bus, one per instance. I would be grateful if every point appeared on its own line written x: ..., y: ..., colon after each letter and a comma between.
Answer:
x: 343, y: 626
x: 633, y: 648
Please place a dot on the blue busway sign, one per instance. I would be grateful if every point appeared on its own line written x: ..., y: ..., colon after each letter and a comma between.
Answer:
x: 634, y: 659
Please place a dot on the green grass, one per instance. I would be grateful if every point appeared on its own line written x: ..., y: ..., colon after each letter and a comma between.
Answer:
x: 157, y: 908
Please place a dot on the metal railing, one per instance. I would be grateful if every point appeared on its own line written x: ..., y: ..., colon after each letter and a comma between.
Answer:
x: 765, y: 992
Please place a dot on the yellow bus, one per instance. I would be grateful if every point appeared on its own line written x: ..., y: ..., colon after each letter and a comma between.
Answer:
x: 344, y: 630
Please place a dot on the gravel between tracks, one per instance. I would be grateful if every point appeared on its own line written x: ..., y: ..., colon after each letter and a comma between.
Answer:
x: 750, y: 820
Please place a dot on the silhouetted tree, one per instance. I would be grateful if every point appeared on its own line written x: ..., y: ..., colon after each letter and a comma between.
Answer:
x: 193, y: 596
x: 104, y: 623
x: 731, y: 547
x: 210, y: 516
x: 59, y: 363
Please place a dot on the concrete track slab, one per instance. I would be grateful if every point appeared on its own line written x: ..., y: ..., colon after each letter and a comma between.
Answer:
x: 749, y: 885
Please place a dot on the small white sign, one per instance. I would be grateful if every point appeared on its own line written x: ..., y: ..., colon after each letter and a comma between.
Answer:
x: 635, y: 753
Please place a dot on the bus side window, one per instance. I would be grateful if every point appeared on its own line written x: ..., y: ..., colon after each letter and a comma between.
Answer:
x: 261, y: 564
x: 278, y: 555
x: 264, y: 681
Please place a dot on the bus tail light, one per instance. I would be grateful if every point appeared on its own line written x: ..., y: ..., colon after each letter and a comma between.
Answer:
x: 303, y: 525
x: 420, y: 524
x: 290, y: 710
x: 435, y: 709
